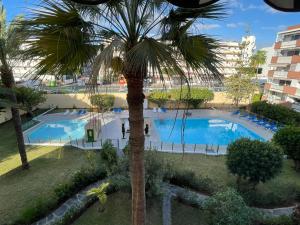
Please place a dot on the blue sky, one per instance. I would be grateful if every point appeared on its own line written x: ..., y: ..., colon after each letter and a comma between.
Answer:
x: 252, y: 15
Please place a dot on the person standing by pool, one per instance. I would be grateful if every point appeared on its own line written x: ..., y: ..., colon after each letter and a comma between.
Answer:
x: 146, y: 129
x: 123, y: 130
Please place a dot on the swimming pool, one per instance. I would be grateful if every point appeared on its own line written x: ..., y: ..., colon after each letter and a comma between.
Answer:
x: 62, y: 130
x: 202, y: 131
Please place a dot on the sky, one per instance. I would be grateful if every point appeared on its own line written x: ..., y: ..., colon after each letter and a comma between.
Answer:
x: 243, y: 16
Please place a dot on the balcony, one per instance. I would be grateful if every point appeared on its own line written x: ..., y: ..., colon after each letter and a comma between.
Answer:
x: 289, y: 90
x: 295, y: 59
x: 280, y: 74
x: 276, y: 87
x: 294, y: 75
x: 285, y: 59
x: 288, y: 44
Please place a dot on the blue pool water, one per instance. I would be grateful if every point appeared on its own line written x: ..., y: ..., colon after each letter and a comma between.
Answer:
x: 59, y: 130
x: 202, y: 131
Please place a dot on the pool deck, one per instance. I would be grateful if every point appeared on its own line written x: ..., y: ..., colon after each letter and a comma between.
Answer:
x: 112, y: 123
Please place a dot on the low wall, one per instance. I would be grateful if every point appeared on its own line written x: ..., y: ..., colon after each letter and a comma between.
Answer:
x: 82, y: 100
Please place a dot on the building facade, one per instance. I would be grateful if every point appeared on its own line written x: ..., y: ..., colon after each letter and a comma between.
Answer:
x: 283, y: 84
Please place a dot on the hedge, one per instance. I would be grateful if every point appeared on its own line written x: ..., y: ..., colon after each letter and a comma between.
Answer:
x: 278, y: 113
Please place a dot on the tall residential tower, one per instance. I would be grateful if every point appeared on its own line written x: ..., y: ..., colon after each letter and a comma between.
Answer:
x: 284, y: 70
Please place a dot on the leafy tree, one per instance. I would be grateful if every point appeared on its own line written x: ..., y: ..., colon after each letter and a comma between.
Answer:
x: 100, y: 193
x: 10, y: 48
x: 289, y: 139
x: 29, y: 98
x: 254, y: 160
x: 240, y: 86
x: 66, y: 36
x: 228, y: 207
x: 192, y: 96
x: 103, y: 102
x: 158, y: 97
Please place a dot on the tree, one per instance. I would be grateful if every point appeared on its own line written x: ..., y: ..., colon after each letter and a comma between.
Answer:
x: 289, y: 139
x: 66, y: 36
x: 240, y: 86
x: 10, y: 42
x: 29, y: 98
x: 103, y: 102
x: 259, y: 58
x: 254, y: 160
x: 228, y: 207
x: 100, y: 193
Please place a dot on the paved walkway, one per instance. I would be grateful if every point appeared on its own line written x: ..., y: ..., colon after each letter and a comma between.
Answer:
x: 78, y: 202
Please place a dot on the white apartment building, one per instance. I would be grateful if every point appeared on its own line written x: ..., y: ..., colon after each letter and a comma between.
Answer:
x: 264, y: 69
x: 230, y: 52
x: 284, y: 70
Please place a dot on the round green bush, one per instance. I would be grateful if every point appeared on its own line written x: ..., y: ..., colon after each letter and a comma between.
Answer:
x: 289, y: 139
x: 228, y: 207
x: 254, y: 160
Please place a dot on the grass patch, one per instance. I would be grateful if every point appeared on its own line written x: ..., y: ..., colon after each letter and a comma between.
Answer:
x: 118, y: 212
x: 279, y: 191
x: 50, y: 166
x: 187, y: 215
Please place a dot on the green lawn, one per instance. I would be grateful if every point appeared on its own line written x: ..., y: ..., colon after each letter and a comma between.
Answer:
x: 50, y: 166
x: 187, y: 215
x: 215, y: 168
x: 118, y: 212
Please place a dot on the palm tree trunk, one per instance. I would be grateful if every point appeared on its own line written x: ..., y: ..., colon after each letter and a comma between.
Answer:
x: 9, y: 82
x: 135, y: 99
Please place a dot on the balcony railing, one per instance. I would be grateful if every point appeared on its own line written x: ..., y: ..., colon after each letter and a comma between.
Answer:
x: 276, y: 87
x: 280, y: 74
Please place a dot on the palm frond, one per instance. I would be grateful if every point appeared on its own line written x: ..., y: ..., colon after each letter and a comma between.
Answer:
x: 153, y: 57
x: 60, y: 37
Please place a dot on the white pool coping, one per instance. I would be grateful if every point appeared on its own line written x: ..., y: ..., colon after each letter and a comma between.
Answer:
x: 112, y: 122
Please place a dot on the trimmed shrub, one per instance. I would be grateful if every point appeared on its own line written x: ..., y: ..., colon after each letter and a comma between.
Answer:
x: 278, y: 113
x: 109, y: 155
x: 159, y: 97
x: 254, y: 160
x: 228, y: 207
x: 154, y: 173
x: 188, y: 179
x: 289, y: 139
x: 192, y: 96
x: 103, y: 102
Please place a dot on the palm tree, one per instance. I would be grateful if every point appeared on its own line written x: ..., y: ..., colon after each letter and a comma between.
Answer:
x: 259, y: 58
x: 10, y: 43
x: 149, y: 36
